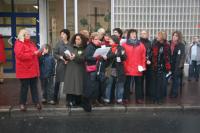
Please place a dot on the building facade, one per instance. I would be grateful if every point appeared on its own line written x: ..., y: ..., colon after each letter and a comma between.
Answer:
x: 45, y: 18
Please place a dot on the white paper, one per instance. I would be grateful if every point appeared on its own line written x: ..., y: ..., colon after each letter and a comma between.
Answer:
x: 67, y: 52
x: 140, y: 68
x: 101, y: 52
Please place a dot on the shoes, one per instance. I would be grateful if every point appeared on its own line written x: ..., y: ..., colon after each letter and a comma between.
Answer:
x: 139, y: 101
x: 38, y: 106
x: 125, y: 101
x: 22, y: 107
x: 51, y: 102
x: 44, y: 100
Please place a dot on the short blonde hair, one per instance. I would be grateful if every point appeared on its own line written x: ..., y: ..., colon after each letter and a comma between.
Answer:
x: 21, y: 34
x: 94, y: 34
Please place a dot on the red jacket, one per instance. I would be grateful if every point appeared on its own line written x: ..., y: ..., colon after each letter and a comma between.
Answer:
x: 27, y: 64
x: 136, y: 56
x: 2, y: 50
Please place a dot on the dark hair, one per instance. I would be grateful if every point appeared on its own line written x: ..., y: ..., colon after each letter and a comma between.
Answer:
x: 179, y: 35
x: 47, y: 46
x: 115, y: 39
x: 67, y: 32
x: 83, y: 39
x: 119, y: 31
x: 130, y: 31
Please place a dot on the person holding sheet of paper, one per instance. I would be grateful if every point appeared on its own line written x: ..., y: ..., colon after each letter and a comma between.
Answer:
x: 58, y: 53
x: 134, y: 66
x: 75, y: 70
x: 116, y: 57
x: 91, y: 92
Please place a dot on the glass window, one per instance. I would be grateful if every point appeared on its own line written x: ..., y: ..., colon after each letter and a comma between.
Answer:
x: 26, y: 20
x: 5, y: 6
x: 26, y: 6
x: 96, y: 14
x: 5, y: 20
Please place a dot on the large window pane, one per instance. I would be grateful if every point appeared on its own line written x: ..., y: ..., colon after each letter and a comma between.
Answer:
x: 55, y: 20
x: 96, y: 14
x: 5, y: 6
x: 5, y: 20
x: 26, y: 20
x: 26, y: 5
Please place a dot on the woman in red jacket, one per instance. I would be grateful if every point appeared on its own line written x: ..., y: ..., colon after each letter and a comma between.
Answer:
x: 134, y: 65
x: 2, y: 57
x: 27, y: 68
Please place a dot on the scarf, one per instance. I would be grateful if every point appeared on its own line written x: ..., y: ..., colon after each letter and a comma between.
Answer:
x: 114, y: 47
x: 133, y: 42
x: 173, y: 44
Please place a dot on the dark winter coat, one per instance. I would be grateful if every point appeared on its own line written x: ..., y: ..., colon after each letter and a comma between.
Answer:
x: 47, y: 66
x: 148, y: 45
x: 112, y: 58
x: 161, y: 57
x: 60, y: 67
x: 75, y: 72
x: 178, y: 58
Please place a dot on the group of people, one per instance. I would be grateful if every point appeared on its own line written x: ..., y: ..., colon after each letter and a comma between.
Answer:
x: 101, y: 79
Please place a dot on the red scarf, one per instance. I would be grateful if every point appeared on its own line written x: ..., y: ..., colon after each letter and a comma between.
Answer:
x: 114, y: 47
x: 173, y: 44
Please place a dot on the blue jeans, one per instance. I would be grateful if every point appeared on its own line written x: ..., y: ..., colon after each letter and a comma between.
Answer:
x: 194, y: 70
x: 175, y: 84
x: 119, y: 89
x: 47, y: 88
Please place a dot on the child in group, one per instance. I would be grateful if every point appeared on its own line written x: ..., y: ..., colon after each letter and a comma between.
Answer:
x: 47, y: 71
x: 116, y: 56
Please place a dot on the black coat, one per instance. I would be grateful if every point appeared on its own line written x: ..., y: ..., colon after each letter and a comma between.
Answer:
x: 112, y: 58
x: 178, y: 58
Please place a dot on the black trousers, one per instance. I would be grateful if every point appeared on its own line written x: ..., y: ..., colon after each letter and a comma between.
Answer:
x: 139, y: 92
x: 56, y: 91
x: 25, y: 84
x: 147, y: 83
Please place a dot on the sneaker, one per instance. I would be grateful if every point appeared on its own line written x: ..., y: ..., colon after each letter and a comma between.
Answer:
x: 139, y: 101
x: 106, y: 100
x: 38, y: 106
x: 22, y: 107
x: 51, y: 102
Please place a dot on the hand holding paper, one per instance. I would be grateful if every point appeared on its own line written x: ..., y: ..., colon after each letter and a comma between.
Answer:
x: 140, y: 69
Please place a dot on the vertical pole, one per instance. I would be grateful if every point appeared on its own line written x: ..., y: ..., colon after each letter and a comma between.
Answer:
x: 65, y: 13
x: 76, y: 15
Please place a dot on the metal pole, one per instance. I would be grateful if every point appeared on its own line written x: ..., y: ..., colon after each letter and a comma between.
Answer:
x: 76, y: 15
x: 65, y: 13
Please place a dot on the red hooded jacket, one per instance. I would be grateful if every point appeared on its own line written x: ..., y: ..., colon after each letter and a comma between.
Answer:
x: 2, y: 50
x: 136, y: 56
x: 27, y: 64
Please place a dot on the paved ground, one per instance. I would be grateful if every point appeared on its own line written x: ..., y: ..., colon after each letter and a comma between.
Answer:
x: 174, y: 121
x: 9, y: 94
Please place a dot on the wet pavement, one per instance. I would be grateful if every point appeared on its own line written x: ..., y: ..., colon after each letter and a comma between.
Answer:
x: 181, y: 115
x: 9, y: 96
x: 110, y: 122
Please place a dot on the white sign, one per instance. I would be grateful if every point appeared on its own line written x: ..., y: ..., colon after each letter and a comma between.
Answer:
x: 5, y: 31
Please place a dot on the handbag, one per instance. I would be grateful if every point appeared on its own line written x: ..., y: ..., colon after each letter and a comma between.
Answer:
x: 91, y: 68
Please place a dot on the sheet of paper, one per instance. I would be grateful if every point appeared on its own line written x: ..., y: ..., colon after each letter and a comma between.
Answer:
x: 101, y: 51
